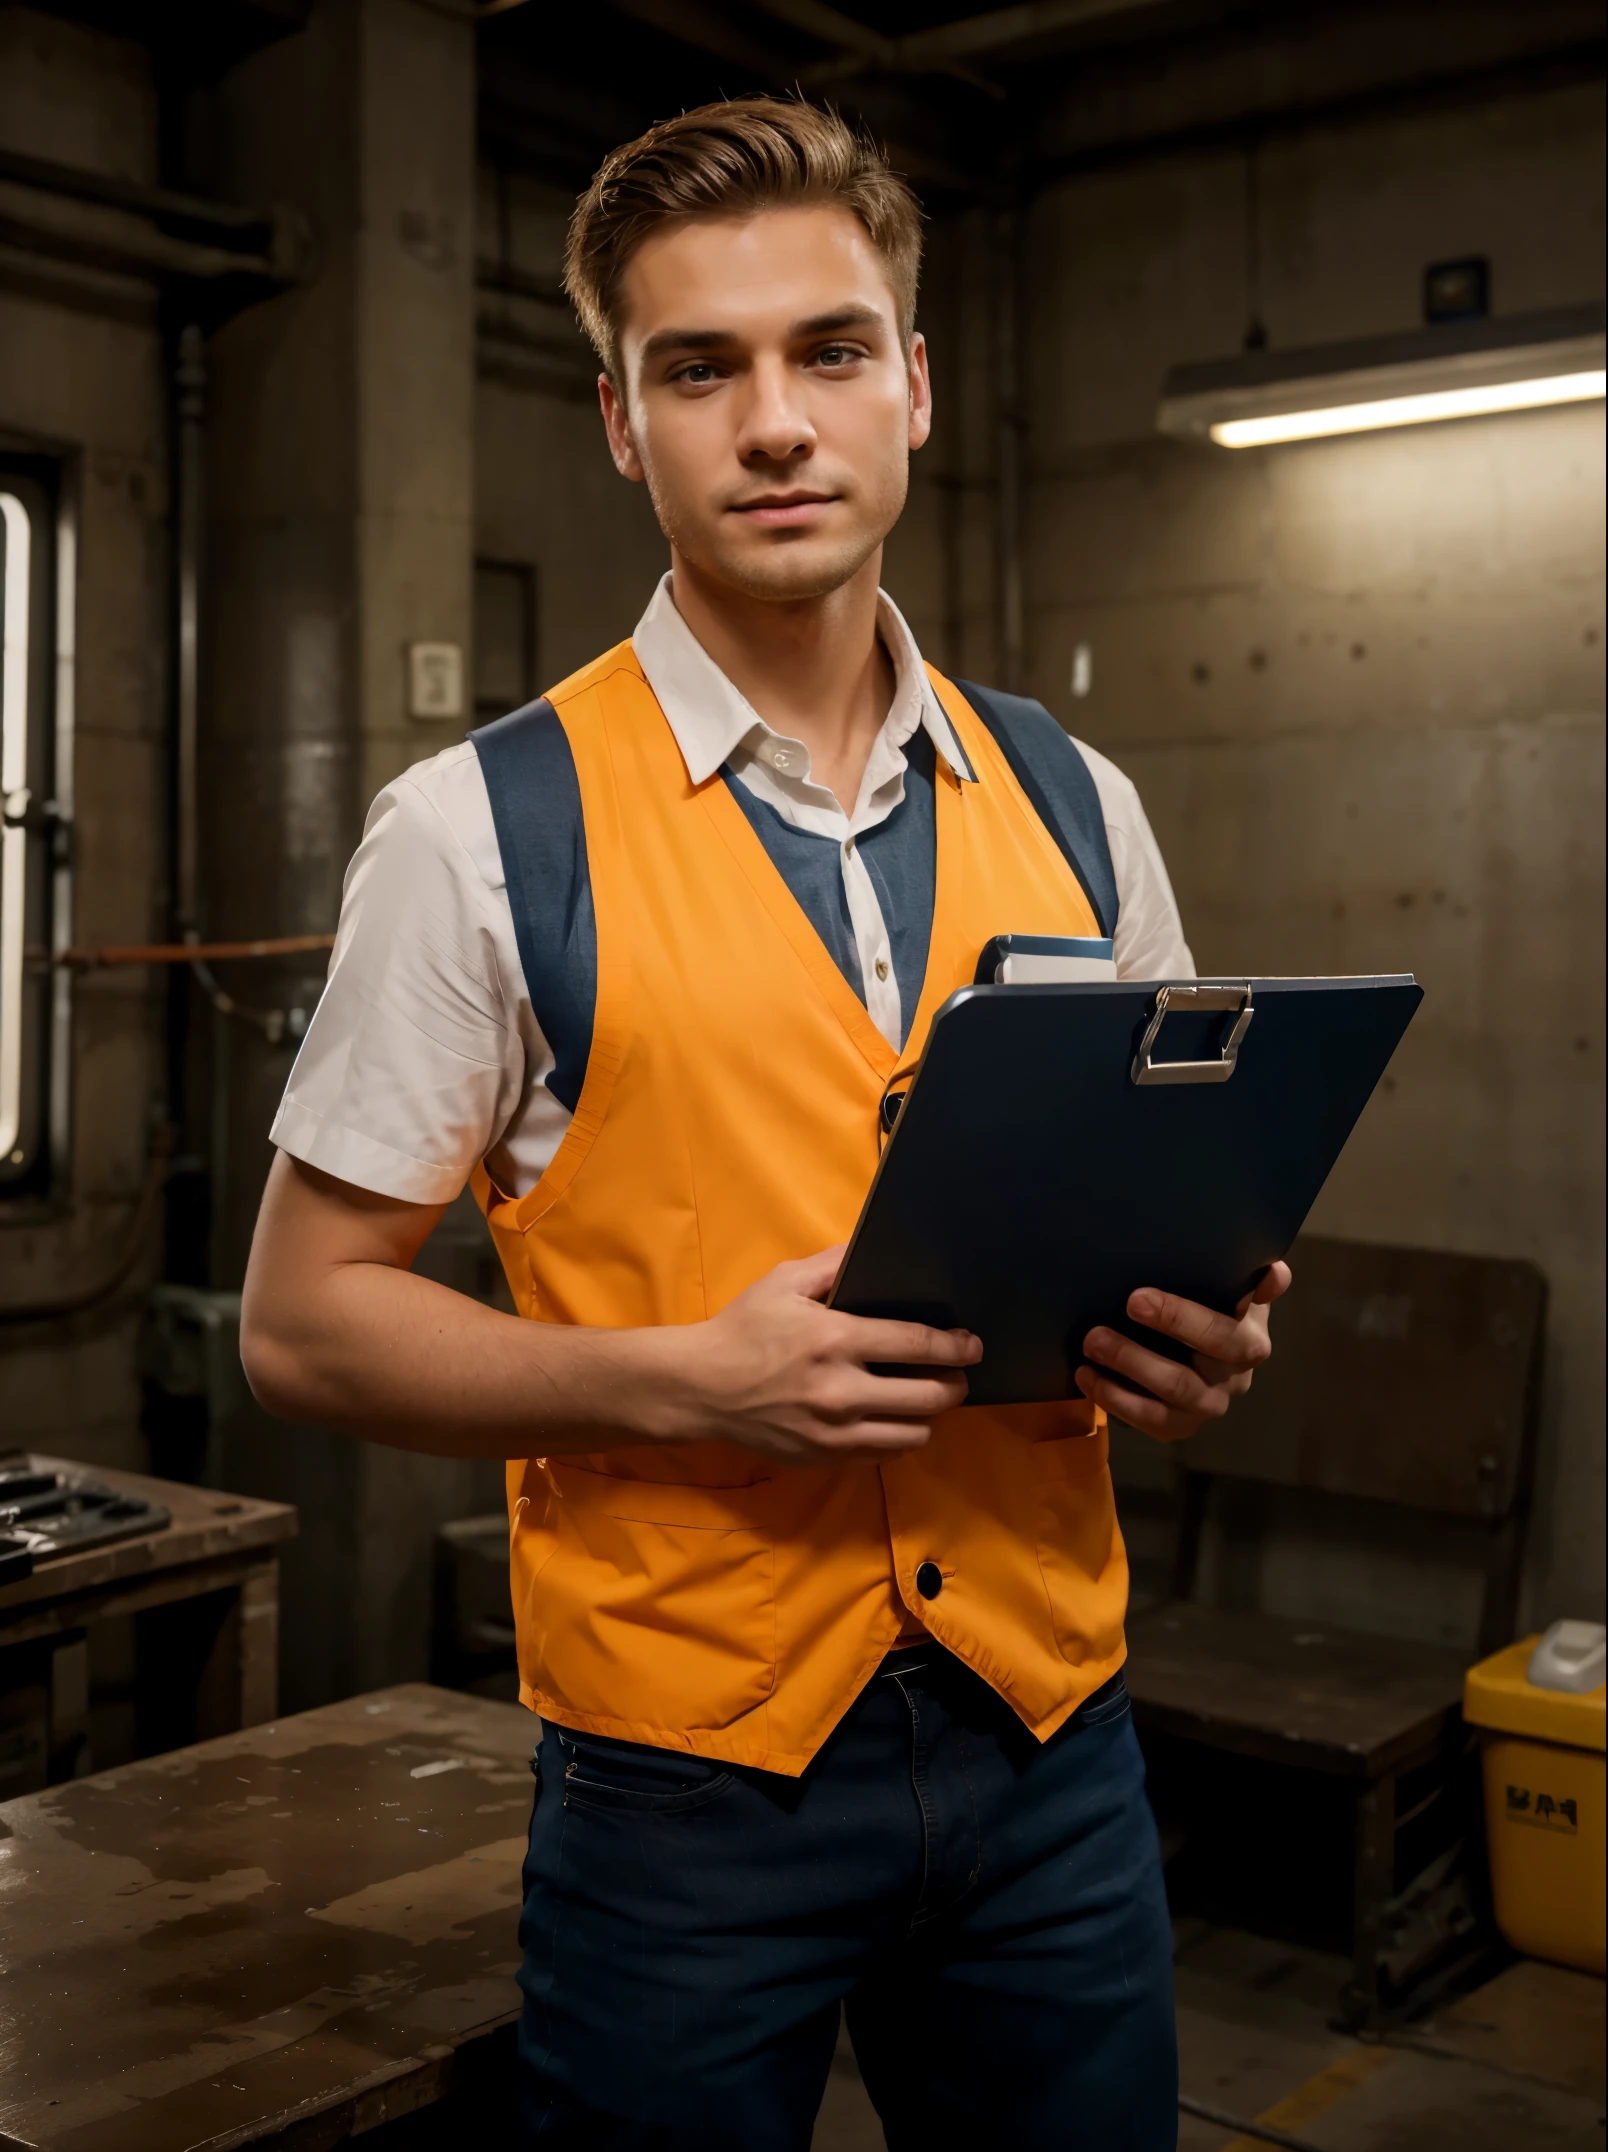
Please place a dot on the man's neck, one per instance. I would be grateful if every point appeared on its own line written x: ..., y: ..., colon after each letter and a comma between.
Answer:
x: 813, y: 668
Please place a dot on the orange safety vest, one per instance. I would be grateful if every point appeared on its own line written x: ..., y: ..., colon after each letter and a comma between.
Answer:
x: 704, y: 1597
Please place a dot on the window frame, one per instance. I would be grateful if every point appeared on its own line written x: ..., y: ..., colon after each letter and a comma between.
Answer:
x: 37, y: 610
x: 484, y: 708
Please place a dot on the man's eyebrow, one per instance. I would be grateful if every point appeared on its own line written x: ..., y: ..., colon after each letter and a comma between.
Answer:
x: 842, y: 317
x: 665, y: 342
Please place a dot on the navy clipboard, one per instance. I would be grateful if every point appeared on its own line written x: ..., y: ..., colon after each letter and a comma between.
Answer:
x: 1060, y: 1146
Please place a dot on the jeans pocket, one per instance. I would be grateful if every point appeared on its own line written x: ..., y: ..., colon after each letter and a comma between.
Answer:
x: 628, y: 1775
x: 1108, y: 1702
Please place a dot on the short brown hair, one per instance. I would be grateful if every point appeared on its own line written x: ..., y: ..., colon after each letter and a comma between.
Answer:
x: 732, y: 160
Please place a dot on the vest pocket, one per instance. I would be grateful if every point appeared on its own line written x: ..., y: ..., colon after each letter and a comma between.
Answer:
x: 1079, y: 1547
x: 651, y: 1605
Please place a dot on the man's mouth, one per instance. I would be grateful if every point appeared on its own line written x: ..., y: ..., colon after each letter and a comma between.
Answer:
x: 795, y: 509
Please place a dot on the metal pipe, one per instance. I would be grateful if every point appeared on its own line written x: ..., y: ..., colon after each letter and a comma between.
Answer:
x: 1008, y: 448
x: 222, y: 221
x: 118, y: 953
x: 141, y: 1229
x: 189, y: 381
x: 129, y: 248
x: 189, y: 490
x: 272, y: 245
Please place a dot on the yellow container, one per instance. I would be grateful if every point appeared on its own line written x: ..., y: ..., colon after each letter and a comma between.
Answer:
x: 1543, y: 1755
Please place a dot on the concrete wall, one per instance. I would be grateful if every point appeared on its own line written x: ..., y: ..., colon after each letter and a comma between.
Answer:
x: 81, y: 372
x: 1360, y: 686
x: 546, y: 492
x: 341, y: 490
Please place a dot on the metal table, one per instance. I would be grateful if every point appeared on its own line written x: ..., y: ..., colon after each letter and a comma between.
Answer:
x: 284, y: 1937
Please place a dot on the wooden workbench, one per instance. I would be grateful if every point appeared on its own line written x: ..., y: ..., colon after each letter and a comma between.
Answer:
x: 204, y: 1591
x: 283, y: 1937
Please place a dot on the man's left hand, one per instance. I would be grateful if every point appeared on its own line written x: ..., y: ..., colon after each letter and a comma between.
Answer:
x: 1226, y: 1350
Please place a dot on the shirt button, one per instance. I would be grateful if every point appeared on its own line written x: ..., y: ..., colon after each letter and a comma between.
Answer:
x: 881, y: 967
x: 929, y: 1580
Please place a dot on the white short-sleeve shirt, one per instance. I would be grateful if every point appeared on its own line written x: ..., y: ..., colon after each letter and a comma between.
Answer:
x: 424, y: 1055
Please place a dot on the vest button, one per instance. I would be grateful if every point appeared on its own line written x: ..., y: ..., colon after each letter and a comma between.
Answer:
x: 929, y: 1580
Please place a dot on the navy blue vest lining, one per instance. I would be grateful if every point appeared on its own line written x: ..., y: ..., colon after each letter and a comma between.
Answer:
x: 535, y: 800
x: 900, y: 855
x: 1047, y: 765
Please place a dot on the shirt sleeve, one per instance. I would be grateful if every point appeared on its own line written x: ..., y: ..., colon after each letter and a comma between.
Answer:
x: 1150, y: 940
x: 414, y: 1063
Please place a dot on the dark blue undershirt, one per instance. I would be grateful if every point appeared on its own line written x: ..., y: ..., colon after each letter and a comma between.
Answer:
x: 541, y: 834
x: 900, y: 856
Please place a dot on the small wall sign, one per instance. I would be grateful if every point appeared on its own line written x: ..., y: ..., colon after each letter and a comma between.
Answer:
x: 435, y: 680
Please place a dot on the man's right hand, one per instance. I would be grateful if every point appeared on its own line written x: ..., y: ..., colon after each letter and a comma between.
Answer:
x: 337, y: 1329
x: 779, y: 1373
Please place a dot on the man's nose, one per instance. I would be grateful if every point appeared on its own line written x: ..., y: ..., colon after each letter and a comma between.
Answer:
x: 776, y: 424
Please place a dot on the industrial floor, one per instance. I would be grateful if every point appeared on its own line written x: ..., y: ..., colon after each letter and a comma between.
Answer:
x: 1516, y: 2066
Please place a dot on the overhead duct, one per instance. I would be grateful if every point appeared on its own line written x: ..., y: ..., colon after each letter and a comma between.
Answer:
x: 101, y: 222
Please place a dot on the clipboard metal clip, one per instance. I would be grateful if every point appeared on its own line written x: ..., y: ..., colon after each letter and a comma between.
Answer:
x: 1193, y: 999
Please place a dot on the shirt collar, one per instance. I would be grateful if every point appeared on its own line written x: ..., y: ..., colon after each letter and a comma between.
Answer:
x: 710, y: 718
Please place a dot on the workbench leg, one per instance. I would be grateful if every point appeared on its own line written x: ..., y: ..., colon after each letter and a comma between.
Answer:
x: 250, y: 1681
x: 1374, y: 1870
x: 69, y: 1707
x: 210, y: 1665
x: 24, y: 1719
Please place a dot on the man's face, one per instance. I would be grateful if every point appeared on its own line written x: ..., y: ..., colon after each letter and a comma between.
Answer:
x: 767, y: 401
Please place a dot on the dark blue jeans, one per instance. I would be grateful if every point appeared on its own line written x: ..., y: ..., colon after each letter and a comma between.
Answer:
x: 989, y: 1910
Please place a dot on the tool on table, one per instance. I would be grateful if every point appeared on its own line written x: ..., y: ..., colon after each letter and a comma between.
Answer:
x: 48, y: 1510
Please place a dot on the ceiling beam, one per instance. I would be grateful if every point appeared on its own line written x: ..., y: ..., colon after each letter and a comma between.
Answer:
x: 953, y: 46
x: 690, y: 22
x: 859, y: 48
x: 999, y: 27
x: 833, y: 27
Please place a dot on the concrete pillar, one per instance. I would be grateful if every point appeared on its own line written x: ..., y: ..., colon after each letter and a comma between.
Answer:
x: 340, y: 446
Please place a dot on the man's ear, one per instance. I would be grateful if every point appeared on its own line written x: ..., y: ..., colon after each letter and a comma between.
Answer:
x: 617, y: 425
x: 920, y: 393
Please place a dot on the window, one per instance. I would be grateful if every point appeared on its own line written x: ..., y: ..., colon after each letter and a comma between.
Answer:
x: 35, y: 720
x: 505, y: 637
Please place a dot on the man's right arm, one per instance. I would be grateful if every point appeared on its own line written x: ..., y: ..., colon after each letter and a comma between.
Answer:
x: 336, y: 1329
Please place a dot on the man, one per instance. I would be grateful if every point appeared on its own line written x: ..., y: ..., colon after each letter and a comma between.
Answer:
x: 829, y: 1668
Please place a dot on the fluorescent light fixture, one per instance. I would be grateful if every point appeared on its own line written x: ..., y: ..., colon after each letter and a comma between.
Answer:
x: 1421, y: 410
x: 1454, y: 370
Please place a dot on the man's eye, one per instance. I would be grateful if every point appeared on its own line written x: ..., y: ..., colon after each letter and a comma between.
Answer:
x: 698, y: 374
x: 837, y: 355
